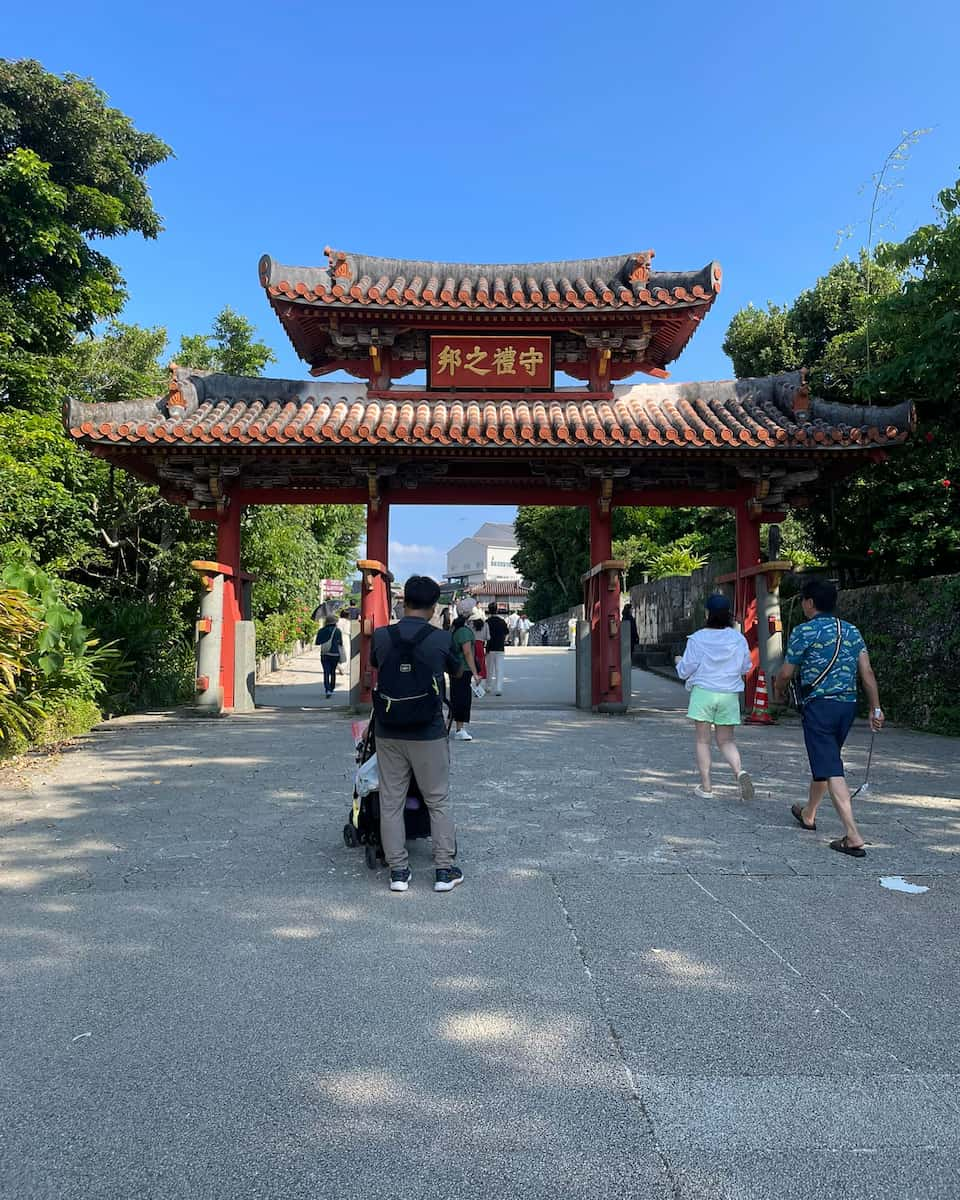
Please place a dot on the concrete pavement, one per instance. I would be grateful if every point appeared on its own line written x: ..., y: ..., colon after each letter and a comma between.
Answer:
x: 635, y: 992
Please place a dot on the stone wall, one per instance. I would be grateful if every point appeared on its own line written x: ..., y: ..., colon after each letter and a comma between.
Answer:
x: 556, y: 628
x: 912, y: 631
x: 673, y: 605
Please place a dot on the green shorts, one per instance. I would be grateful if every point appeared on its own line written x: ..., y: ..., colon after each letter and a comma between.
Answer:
x: 718, y: 708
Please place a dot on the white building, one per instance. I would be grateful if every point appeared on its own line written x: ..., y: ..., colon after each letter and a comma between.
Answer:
x: 487, y: 556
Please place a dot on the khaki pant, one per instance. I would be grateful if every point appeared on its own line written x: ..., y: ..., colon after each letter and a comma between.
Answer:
x: 429, y: 762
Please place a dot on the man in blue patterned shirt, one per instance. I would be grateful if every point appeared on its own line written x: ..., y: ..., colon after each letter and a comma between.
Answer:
x: 828, y: 681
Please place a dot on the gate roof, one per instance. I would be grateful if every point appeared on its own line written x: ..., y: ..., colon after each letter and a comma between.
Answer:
x: 333, y: 313
x: 269, y: 433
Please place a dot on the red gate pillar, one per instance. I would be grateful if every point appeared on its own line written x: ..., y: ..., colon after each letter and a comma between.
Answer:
x: 601, y: 595
x: 745, y: 600
x: 228, y: 553
x: 375, y: 580
x: 601, y: 533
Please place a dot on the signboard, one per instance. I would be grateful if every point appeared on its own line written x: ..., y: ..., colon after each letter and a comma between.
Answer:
x: 506, y: 361
x: 332, y: 589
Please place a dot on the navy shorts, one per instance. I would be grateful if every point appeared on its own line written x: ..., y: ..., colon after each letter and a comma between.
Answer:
x: 826, y: 724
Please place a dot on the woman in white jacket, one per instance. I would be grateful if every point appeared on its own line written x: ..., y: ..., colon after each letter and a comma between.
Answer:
x: 713, y: 665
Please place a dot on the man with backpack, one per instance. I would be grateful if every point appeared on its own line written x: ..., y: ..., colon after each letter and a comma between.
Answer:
x: 411, y: 658
x: 829, y: 654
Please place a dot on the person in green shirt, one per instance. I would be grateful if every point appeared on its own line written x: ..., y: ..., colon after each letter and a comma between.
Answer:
x: 461, y: 695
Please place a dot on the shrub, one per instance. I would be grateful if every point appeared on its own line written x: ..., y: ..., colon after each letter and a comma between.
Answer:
x: 156, y: 666
x: 277, y: 632
x: 20, y: 708
x: 679, y: 558
x: 63, y: 656
x: 65, y: 717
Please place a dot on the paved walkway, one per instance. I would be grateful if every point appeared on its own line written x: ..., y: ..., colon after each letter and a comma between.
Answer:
x: 537, y: 677
x: 635, y: 993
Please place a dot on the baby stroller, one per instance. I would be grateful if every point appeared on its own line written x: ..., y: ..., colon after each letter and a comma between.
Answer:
x: 363, y: 822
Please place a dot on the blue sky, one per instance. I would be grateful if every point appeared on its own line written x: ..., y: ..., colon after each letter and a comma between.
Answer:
x: 531, y: 130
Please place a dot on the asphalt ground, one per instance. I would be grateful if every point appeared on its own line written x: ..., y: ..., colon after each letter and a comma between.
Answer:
x: 635, y: 992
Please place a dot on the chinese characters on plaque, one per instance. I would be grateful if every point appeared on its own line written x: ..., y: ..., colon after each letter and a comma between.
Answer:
x: 479, y: 362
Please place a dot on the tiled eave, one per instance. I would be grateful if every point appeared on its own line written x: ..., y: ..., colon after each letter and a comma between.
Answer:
x: 621, y: 282
x: 211, y: 410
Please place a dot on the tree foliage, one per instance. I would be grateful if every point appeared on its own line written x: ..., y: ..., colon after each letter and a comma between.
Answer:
x: 229, y: 347
x: 899, y: 312
x: 72, y: 172
x: 824, y: 329
x: 102, y: 551
x: 554, y: 547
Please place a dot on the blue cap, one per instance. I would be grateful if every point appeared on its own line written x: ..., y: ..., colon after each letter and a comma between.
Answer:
x: 717, y: 603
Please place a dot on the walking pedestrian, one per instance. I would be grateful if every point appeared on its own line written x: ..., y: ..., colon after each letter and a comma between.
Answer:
x: 512, y: 618
x: 523, y: 629
x: 343, y: 624
x: 461, y: 695
x: 631, y: 623
x: 829, y: 654
x: 480, y: 635
x: 411, y: 657
x: 713, y: 665
x: 496, y: 645
x: 329, y: 640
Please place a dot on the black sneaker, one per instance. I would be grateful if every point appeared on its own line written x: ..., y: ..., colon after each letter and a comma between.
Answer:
x: 447, y: 879
x: 400, y: 879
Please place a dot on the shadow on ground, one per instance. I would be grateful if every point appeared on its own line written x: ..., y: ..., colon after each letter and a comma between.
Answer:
x: 206, y: 994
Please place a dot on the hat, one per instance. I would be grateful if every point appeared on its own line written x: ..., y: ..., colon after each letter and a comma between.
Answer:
x: 717, y: 603
x: 466, y: 606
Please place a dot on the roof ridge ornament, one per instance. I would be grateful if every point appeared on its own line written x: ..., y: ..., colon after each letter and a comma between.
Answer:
x: 339, y: 263
x: 639, y: 264
x: 175, y: 400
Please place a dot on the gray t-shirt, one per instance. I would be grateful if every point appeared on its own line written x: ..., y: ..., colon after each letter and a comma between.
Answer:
x: 437, y: 649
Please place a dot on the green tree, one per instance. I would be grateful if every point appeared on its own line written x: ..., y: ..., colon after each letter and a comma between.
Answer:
x: 229, y: 347
x: 72, y: 172
x: 899, y: 313
x: 121, y: 363
x: 553, y: 554
x: 554, y: 547
x: 823, y: 330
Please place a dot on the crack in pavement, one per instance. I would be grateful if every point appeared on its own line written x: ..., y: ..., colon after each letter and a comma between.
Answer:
x: 617, y: 1043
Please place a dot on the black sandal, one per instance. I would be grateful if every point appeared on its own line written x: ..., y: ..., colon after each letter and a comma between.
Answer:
x: 854, y: 851
x: 797, y: 810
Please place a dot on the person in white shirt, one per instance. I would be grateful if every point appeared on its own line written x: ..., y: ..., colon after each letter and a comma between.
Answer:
x: 343, y: 624
x: 713, y: 665
x: 522, y: 629
x: 512, y: 618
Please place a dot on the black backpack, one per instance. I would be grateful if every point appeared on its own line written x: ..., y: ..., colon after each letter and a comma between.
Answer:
x: 408, y: 693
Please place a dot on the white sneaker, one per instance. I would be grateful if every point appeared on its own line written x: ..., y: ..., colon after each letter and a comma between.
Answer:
x: 461, y: 735
x: 704, y: 795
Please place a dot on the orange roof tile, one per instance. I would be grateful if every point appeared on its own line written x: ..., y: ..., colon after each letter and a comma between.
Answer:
x: 364, y: 281
x: 756, y: 414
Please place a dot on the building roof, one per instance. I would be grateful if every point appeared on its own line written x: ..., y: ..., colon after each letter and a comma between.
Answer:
x: 499, y: 587
x: 204, y: 409
x: 356, y: 306
x: 623, y: 281
x: 494, y: 534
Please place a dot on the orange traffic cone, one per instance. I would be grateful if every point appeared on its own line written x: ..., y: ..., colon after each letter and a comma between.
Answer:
x: 761, y: 703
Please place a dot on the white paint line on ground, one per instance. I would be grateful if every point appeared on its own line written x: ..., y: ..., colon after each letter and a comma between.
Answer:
x: 897, y: 883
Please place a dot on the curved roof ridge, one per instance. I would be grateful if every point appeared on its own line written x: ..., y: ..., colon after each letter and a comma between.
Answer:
x: 630, y: 270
